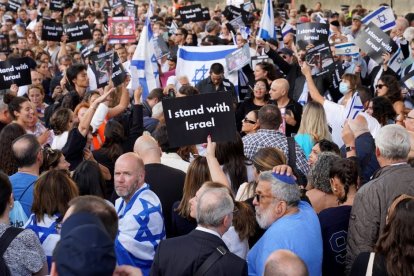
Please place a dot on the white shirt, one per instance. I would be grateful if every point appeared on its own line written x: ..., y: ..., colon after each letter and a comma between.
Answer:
x: 173, y: 160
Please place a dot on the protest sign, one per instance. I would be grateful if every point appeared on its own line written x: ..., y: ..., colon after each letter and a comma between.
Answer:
x: 311, y: 33
x: 160, y: 47
x: 374, y: 42
x: 206, y: 13
x: 193, y: 13
x: 78, y: 31
x: 232, y: 12
x: 56, y: 5
x: 105, y: 66
x: 86, y: 50
x: 131, y: 11
x: 121, y: 29
x: 114, y: 3
x: 336, y: 70
x: 238, y: 59
x: 51, y: 31
x: 15, y: 71
x: 13, y: 5
x: 320, y: 57
x: 191, y: 119
x: 237, y: 23
x: 102, y: 67
x: 4, y: 43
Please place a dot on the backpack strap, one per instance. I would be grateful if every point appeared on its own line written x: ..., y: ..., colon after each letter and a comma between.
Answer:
x: 291, y: 152
x: 26, y: 190
x: 7, y: 237
x: 212, y: 259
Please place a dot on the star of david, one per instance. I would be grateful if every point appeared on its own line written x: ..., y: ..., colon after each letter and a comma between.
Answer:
x: 347, y: 50
x: 144, y: 233
x: 382, y: 19
x: 202, y: 71
x: 399, y: 60
x: 154, y: 61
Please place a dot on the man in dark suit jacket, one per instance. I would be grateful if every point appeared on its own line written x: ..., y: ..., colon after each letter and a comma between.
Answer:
x: 185, y: 255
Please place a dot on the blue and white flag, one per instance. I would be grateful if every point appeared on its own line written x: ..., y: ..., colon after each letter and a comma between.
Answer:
x: 383, y: 17
x: 244, y: 32
x: 195, y: 62
x: 144, y: 67
x: 346, y: 49
x: 396, y: 61
x: 267, y: 24
x: 288, y: 28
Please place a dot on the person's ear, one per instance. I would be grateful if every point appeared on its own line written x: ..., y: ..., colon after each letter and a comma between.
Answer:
x: 377, y: 152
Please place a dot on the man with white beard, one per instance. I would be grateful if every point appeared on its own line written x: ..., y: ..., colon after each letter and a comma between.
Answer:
x: 291, y: 224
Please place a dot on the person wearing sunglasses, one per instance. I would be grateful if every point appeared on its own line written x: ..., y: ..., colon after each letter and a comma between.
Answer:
x: 389, y: 87
x: 249, y: 123
x: 286, y: 218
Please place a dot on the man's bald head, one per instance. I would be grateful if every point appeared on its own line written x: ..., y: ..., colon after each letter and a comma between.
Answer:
x: 285, y: 263
x: 26, y: 150
x: 358, y: 125
x: 282, y: 84
x: 147, y: 148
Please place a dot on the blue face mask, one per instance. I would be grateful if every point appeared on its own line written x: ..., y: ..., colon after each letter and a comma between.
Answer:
x: 343, y: 87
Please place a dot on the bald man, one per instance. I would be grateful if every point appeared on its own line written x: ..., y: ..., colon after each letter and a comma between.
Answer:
x: 285, y: 263
x: 166, y: 182
x: 290, y: 109
x: 141, y: 224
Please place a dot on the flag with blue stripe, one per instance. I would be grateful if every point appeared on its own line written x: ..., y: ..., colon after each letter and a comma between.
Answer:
x: 346, y: 49
x: 383, y: 17
x: 144, y: 67
x: 396, y: 61
x: 267, y: 24
x: 288, y: 28
x: 195, y: 62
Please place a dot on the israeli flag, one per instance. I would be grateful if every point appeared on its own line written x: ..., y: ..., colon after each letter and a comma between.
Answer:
x: 383, y: 17
x: 396, y: 61
x: 346, y: 49
x: 244, y: 32
x: 144, y: 67
x: 288, y: 28
x: 195, y: 62
x: 267, y: 24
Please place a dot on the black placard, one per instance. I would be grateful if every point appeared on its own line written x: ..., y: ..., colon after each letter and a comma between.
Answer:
x: 15, y: 71
x: 13, y: 5
x: 232, y: 12
x: 206, y: 13
x: 374, y: 42
x: 320, y: 57
x: 86, y: 50
x: 336, y: 70
x: 191, y: 119
x: 56, y: 5
x: 4, y: 44
x: 311, y: 33
x: 118, y: 71
x: 160, y: 47
x: 78, y: 31
x: 51, y: 31
x: 193, y: 13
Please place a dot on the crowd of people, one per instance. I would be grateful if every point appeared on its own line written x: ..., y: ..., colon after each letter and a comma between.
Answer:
x: 318, y: 180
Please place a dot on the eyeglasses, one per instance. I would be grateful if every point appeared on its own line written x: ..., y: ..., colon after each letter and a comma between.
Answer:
x: 258, y: 86
x: 284, y: 56
x: 178, y: 34
x: 248, y: 121
x: 408, y: 117
x: 258, y: 197
x: 379, y: 86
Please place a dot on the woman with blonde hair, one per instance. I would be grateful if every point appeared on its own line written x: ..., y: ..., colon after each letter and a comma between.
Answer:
x: 313, y: 127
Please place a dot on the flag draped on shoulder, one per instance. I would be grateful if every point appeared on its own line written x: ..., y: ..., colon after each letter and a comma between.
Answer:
x: 383, y: 17
x: 195, y: 62
x: 267, y: 24
x: 144, y: 67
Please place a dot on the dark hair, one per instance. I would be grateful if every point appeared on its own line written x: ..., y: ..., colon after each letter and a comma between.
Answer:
x: 60, y: 119
x: 396, y: 240
x: 8, y: 134
x: 271, y: 70
x: 188, y: 90
x: 326, y: 145
x: 267, y: 95
x: 27, y: 154
x: 14, y: 104
x: 161, y: 135
x: 114, y: 137
x: 184, y: 31
x: 73, y: 71
x: 382, y: 110
x: 51, y: 158
x: 347, y: 172
x: 98, y: 207
x: 269, y: 117
x: 365, y: 94
x: 89, y: 179
x: 157, y: 93
x: 394, y: 89
x: 231, y: 156
x: 5, y: 192
x: 52, y: 193
x: 217, y: 68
